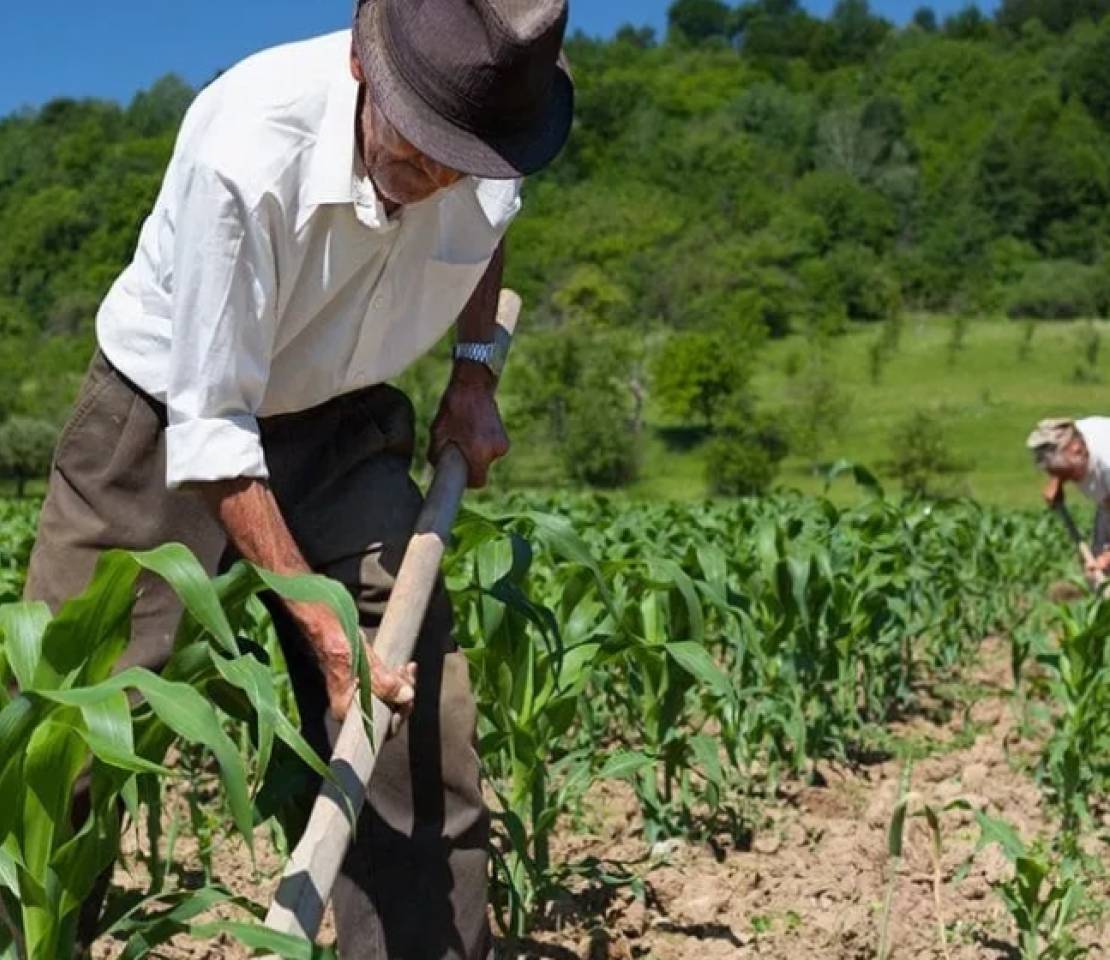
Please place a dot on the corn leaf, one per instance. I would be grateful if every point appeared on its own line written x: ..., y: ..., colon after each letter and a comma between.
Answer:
x: 21, y: 627
x: 188, y: 715
x: 176, y: 565
x: 83, y: 642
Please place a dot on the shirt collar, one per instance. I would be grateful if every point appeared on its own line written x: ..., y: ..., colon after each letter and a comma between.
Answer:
x: 331, y: 169
x: 335, y: 174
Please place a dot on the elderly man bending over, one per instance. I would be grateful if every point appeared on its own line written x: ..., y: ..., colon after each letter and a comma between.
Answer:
x: 1078, y: 451
x: 331, y: 208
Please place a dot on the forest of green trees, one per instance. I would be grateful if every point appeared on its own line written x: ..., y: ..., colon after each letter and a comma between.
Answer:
x: 753, y: 173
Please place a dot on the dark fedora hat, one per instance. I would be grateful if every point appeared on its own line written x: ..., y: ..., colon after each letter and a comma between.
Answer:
x: 478, y: 85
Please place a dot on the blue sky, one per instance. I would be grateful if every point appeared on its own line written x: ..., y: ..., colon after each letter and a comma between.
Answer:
x: 113, y: 48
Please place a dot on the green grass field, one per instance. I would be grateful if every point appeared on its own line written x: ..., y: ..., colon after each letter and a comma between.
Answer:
x: 986, y: 396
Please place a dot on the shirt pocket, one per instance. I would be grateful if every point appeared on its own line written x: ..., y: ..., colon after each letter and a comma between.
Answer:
x: 449, y: 284
x: 466, y: 235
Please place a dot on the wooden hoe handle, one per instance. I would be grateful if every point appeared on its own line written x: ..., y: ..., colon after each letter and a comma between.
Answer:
x: 1098, y: 578
x: 1085, y: 553
x: 306, y: 885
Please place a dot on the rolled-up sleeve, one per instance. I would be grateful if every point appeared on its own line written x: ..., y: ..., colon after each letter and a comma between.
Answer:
x: 224, y: 322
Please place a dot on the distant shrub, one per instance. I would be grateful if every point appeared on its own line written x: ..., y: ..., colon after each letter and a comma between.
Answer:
x: 883, y: 347
x: 1025, y: 343
x: 743, y: 458
x: 869, y: 288
x: 921, y: 457
x: 1090, y: 346
x: 600, y: 449
x: 851, y: 213
x: 601, y: 443
x: 827, y: 313
x: 1056, y: 290
x: 26, y: 447
x: 819, y: 408
x: 957, y: 337
x: 1100, y: 285
x: 876, y: 360
x: 695, y: 374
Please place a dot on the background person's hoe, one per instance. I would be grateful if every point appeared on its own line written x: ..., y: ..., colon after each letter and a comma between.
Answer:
x: 306, y: 885
x: 1097, y: 579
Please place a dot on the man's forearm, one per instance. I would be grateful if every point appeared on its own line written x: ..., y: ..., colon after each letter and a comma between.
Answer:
x: 478, y: 320
x: 249, y: 513
x: 1053, y: 491
x: 468, y: 415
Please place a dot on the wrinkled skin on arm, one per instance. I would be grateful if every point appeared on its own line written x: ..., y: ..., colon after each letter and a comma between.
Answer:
x: 252, y: 518
x: 468, y: 416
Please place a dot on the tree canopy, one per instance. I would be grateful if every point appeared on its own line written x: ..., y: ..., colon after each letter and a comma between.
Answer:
x: 26, y: 447
x: 759, y: 169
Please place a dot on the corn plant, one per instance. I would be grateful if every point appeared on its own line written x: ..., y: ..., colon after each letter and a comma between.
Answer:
x: 909, y: 804
x: 17, y: 535
x: 1045, y: 896
x: 1076, y: 761
x: 700, y: 652
x: 71, y: 717
x: 532, y: 673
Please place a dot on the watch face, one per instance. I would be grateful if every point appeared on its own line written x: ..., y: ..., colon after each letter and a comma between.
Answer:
x: 496, y: 360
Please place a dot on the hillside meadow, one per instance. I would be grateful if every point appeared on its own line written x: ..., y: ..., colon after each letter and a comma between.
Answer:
x: 987, y: 394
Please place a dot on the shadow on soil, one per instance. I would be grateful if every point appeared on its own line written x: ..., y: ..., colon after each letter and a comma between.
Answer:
x: 531, y: 950
x: 1006, y: 951
x: 703, y: 931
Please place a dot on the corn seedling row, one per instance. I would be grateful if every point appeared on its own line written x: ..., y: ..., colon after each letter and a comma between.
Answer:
x: 700, y: 653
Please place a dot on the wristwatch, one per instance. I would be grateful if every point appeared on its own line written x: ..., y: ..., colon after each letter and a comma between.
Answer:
x: 490, y: 354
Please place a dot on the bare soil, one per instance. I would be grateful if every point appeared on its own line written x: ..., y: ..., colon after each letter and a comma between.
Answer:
x: 813, y: 879
x: 813, y: 882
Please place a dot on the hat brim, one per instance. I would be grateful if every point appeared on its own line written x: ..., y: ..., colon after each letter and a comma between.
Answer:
x: 495, y: 158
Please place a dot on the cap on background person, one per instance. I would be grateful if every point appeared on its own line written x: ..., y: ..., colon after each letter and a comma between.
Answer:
x: 1050, y: 438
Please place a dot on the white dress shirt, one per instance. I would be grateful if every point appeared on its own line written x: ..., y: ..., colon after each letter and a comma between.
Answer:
x: 268, y: 279
x: 1096, y: 435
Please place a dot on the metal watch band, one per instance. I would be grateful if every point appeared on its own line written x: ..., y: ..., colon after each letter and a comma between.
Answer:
x: 491, y: 355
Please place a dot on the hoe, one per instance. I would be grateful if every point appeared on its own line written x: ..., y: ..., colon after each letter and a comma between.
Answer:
x: 306, y: 885
x: 1097, y: 579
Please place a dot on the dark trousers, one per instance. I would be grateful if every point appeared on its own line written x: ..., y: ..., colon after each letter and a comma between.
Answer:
x: 414, y: 883
x: 1100, y: 541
